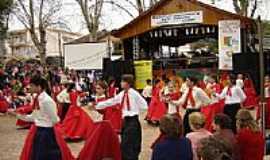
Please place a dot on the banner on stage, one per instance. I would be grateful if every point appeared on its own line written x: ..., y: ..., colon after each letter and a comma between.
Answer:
x: 143, y: 71
x: 177, y: 18
x: 229, y: 42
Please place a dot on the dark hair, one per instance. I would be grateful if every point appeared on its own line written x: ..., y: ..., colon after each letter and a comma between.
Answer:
x: 193, y: 79
x: 70, y: 87
x: 43, y: 83
x: 171, y: 126
x: 213, y: 148
x: 223, y: 121
x: 232, y: 79
x: 148, y: 81
x: 157, y: 81
x: 102, y: 84
x: 129, y: 78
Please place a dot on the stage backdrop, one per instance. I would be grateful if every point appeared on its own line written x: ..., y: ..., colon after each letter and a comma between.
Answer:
x: 143, y: 71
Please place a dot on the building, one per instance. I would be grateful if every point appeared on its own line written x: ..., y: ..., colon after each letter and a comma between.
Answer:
x: 20, y: 43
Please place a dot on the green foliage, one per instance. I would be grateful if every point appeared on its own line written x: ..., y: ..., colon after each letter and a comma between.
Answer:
x: 5, y: 9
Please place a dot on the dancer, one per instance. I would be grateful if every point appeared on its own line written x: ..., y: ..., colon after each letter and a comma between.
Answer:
x: 25, y: 109
x: 113, y: 113
x: 193, y: 99
x: 234, y: 97
x: 147, y: 91
x: 77, y: 124
x: 157, y: 107
x: 44, y: 140
x: 173, y: 94
x: 131, y: 102
x: 112, y: 90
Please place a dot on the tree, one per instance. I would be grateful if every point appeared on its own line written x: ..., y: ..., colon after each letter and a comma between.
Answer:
x: 92, y: 11
x: 5, y: 9
x: 37, y: 16
x: 242, y: 7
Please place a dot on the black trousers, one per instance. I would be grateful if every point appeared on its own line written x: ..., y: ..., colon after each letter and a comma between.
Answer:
x: 45, y: 146
x: 187, y: 128
x: 231, y: 110
x: 65, y: 107
x: 131, y: 138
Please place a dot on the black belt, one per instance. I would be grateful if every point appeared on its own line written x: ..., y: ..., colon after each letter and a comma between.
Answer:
x: 131, y: 117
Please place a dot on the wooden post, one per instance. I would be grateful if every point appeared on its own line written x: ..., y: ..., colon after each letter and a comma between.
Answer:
x: 261, y: 57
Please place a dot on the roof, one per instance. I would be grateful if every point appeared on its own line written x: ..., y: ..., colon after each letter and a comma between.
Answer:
x: 21, y: 31
x: 102, y: 36
x: 174, y: 6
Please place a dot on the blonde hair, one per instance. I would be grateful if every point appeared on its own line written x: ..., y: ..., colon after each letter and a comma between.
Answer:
x: 245, y: 120
x: 196, y: 120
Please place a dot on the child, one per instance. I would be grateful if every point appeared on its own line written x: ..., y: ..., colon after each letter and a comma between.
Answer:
x: 131, y: 102
x: 44, y: 140
x: 113, y: 114
x: 147, y: 91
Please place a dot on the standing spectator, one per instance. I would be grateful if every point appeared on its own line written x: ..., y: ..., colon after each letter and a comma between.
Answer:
x: 197, y: 122
x: 240, y: 81
x: 173, y: 146
x: 250, y: 139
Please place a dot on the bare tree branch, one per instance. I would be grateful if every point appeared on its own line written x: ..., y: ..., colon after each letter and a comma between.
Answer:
x: 254, y: 8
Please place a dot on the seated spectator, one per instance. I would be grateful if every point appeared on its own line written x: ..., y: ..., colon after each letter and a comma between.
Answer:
x: 250, y: 138
x: 222, y: 126
x: 214, y: 149
x: 173, y: 146
x: 197, y: 122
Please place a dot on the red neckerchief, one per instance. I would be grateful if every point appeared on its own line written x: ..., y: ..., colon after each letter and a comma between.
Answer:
x: 125, y: 98
x: 36, y: 103
x: 229, y: 91
x: 189, y: 98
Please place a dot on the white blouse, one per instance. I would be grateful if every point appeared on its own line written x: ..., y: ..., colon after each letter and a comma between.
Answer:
x: 46, y: 115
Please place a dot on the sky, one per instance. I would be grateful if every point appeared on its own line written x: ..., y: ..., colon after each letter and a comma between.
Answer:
x: 114, y: 18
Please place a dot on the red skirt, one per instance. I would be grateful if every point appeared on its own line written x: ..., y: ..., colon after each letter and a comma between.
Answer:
x: 114, y: 116
x: 77, y: 124
x: 251, y: 100
x: 3, y: 106
x: 102, y: 143
x: 28, y: 145
x: 156, y: 110
x: 210, y: 112
x: 26, y: 109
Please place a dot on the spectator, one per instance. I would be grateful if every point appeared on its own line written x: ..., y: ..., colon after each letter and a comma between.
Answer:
x: 197, y: 122
x: 173, y: 146
x: 222, y: 126
x: 249, y: 137
x: 214, y: 149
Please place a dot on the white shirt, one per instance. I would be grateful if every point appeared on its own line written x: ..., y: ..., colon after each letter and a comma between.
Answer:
x: 200, y: 97
x: 136, y: 101
x: 147, y: 91
x: 267, y: 92
x: 240, y: 83
x: 46, y: 115
x: 238, y: 95
x: 63, y: 96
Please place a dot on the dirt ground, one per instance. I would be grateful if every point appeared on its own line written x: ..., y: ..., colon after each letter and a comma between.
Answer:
x: 12, y: 139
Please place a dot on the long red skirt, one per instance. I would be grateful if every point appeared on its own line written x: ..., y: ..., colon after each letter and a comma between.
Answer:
x: 251, y: 100
x: 24, y: 110
x: 114, y: 116
x: 210, y: 111
x: 3, y: 106
x: 77, y: 123
x: 156, y: 110
x: 103, y: 142
x: 27, y: 148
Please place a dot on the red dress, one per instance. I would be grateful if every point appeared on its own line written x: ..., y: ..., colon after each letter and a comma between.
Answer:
x: 77, y: 123
x: 113, y: 114
x: 251, y: 145
x: 211, y: 110
x: 27, y: 148
x: 103, y: 142
x: 157, y: 108
x: 252, y: 98
x: 24, y: 110
x: 3, y: 105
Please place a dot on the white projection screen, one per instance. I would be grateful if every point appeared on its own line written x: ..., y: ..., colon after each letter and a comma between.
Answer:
x: 85, y: 56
